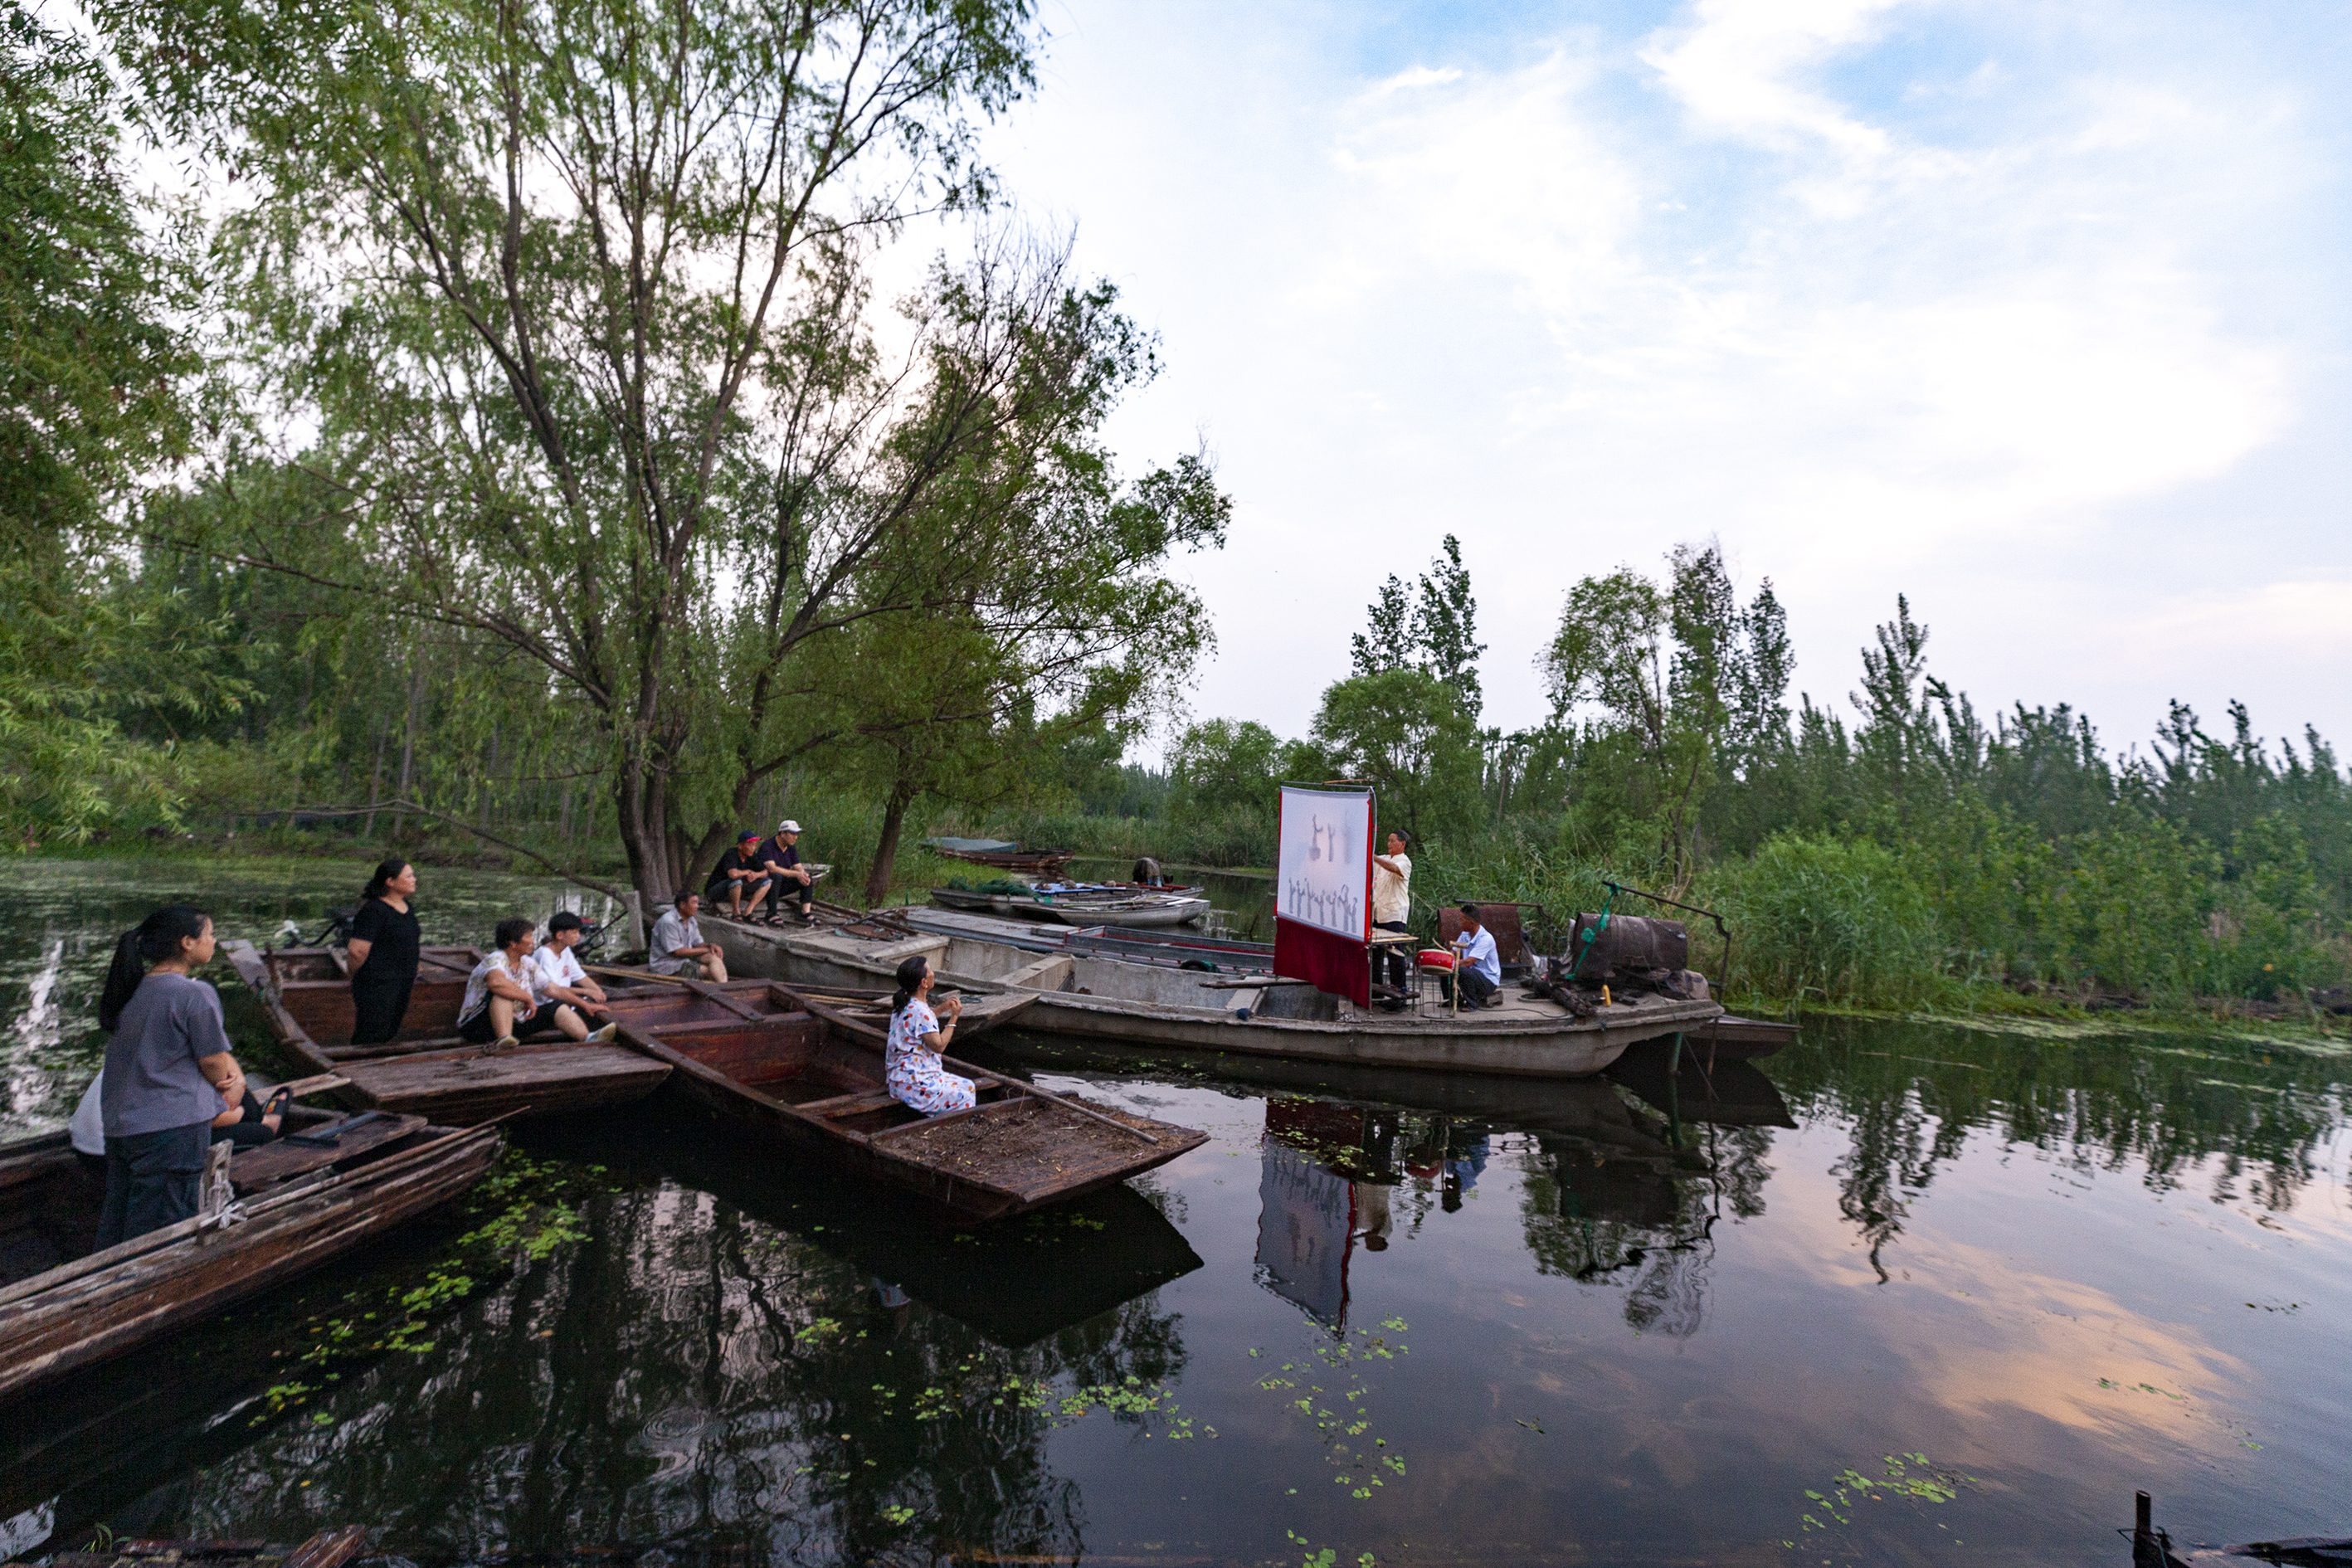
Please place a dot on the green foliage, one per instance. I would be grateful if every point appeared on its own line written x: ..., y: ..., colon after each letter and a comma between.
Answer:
x: 1832, y: 921
x: 1408, y: 734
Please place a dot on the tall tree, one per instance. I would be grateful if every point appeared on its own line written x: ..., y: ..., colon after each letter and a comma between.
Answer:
x: 576, y: 298
x: 1432, y: 627
x: 92, y: 378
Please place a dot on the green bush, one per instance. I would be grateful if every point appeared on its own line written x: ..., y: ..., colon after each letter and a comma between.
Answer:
x: 1832, y: 921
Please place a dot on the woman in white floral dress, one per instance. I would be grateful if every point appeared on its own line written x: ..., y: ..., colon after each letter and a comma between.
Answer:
x: 914, y: 1072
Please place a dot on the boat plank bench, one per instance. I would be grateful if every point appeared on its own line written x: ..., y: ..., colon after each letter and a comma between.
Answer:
x: 256, y: 1170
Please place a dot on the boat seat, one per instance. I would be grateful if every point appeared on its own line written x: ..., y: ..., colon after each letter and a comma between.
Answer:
x: 857, y: 1104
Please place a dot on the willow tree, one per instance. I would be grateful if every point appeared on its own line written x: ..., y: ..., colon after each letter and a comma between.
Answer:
x: 573, y: 302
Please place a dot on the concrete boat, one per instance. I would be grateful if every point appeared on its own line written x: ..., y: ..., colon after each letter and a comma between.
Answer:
x: 1094, y: 996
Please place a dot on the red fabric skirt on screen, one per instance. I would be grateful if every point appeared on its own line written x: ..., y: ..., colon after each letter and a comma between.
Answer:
x: 1329, y: 962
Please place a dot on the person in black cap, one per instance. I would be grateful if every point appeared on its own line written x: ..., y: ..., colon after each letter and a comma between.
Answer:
x: 739, y: 883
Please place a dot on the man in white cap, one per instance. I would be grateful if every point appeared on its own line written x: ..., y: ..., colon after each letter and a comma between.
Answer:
x: 793, y: 881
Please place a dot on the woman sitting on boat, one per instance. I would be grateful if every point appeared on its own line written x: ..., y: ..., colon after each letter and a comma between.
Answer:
x: 915, y: 1077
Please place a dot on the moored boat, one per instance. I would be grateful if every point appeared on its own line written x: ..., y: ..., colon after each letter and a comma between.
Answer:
x: 787, y: 1066
x: 1004, y: 855
x: 1096, y: 995
x: 305, y: 998
x: 289, y: 1206
x: 1082, y: 906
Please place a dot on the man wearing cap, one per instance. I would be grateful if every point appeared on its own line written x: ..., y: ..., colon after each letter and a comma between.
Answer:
x: 779, y: 861
x: 1478, y: 968
x: 738, y: 882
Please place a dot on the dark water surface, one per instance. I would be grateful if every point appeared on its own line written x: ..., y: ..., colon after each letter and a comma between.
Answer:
x: 1429, y: 1321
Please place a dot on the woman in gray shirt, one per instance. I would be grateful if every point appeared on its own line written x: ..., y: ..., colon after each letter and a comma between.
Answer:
x: 156, y: 1095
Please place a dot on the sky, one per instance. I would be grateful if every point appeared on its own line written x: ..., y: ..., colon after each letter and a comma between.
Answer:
x: 2036, y: 313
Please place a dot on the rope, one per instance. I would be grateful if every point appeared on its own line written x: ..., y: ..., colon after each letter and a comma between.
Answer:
x: 1585, y: 946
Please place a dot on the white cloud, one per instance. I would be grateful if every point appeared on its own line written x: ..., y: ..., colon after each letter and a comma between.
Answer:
x: 2017, y: 315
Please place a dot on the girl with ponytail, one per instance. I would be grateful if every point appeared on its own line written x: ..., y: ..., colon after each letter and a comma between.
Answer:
x: 914, y: 1073
x: 157, y: 1097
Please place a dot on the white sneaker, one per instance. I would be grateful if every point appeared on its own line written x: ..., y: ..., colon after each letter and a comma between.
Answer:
x: 606, y: 1033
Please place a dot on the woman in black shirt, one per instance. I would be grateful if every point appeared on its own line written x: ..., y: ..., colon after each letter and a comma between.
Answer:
x: 383, y: 951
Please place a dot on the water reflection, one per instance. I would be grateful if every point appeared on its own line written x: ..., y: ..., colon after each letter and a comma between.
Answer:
x: 1647, y: 1314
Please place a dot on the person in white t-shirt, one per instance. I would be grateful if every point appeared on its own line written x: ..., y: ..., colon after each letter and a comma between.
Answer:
x: 1393, y: 905
x: 558, y: 976
x: 1478, y: 968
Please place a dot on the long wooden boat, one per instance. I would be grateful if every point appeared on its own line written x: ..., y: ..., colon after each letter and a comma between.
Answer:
x: 429, y: 1071
x: 1155, y: 908
x: 785, y: 1065
x: 298, y: 1202
x: 1729, y: 1038
x: 328, y: 1549
x: 305, y: 998
x: 1097, y: 996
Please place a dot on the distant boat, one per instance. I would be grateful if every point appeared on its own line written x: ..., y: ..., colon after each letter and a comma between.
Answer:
x: 1083, y: 905
x: 1005, y: 855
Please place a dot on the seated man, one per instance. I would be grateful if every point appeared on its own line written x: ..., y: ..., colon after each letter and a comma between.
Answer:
x: 1478, y: 968
x: 794, y: 883
x: 739, y: 883
x: 678, y: 948
x: 502, y: 1006
x: 558, y: 976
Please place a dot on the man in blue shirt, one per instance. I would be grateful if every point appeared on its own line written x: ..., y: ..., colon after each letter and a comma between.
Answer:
x: 1477, y: 966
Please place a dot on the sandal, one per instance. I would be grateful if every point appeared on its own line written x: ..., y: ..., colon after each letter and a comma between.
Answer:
x: 278, y: 1101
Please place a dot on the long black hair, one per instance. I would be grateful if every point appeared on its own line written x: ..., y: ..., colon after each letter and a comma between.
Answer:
x: 911, y: 974
x: 140, y: 949
x: 380, y: 883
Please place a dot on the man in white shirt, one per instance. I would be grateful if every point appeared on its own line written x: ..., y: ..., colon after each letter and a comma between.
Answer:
x: 1478, y: 968
x: 678, y: 948
x: 1392, y: 906
x: 558, y: 976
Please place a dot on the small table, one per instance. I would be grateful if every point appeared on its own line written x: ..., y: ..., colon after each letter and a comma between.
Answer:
x: 1397, y: 941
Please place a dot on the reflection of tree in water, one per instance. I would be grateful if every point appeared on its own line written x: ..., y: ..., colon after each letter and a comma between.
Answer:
x: 2251, y: 1116
x: 696, y: 1379
x: 1604, y: 1216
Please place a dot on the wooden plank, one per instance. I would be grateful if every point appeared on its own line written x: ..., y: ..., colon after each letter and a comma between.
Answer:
x: 275, y: 1163
x: 328, y: 1548
x: 946, y: 1116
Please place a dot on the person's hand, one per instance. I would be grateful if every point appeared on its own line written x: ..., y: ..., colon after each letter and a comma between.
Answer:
x: 955, y: 1007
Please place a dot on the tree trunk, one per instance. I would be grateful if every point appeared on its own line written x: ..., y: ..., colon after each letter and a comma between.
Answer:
x: 885, y: 853
x: 375, y: 777
x: 408, y: 743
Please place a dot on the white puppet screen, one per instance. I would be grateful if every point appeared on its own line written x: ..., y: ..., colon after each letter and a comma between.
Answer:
x: 1323, y: 872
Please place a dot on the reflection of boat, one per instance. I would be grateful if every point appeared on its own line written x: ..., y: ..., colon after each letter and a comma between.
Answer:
x: 297, y: 1202
x: 1732, y: 1094
x: 1101, y: 996
x: 1080, y: 907
x: 1015, y: 1284
x: 1004, y: 855
x: 327, y: 1549
x: 797, y: 1070
x: 1739, y: 1039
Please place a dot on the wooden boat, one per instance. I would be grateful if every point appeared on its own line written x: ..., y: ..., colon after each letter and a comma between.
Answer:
x: 1106, y: 997
x: 296, y: 1205
x: 1005, y: 855
x: 328, y: 1549
x: 789, y: 1067
x: 305, y: 998
x: 1084, y: 907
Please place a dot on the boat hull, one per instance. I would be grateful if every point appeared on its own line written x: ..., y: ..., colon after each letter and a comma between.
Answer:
x: 77, y: 1315
x: 1520, y: 1042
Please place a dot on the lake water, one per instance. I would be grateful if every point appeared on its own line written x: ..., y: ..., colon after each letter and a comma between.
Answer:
x: 1600, y: 1322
